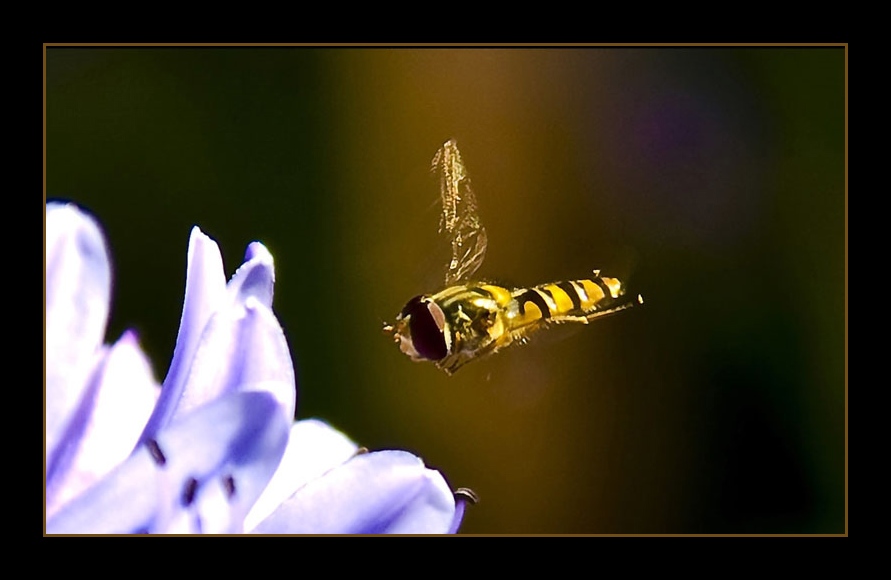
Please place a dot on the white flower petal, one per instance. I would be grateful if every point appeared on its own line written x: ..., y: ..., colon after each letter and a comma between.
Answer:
x: 235, y: 443
x: 205, y: 292
x: 243, y: 348
x: 121, y: 400
x: 314, y: 447
x: 78, y: 293
x: 381, y: 492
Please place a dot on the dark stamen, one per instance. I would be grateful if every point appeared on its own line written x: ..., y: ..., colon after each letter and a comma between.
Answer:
x: 189, y: 491
x: 467, y: 495
x: 155, y: 451
x: 360, y: 451
x: 229, y: 484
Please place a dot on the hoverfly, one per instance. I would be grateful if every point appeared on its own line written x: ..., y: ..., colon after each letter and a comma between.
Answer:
x: 468, y: 320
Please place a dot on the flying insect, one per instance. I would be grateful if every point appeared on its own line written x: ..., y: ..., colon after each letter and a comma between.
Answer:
x: 470, y: 319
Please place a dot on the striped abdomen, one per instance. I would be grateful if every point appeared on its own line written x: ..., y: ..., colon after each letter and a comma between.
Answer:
x: 570, y: 301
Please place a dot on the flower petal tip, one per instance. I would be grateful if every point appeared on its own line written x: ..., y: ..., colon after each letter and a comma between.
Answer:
x: 256, y: 276
x: 257, y: 251
x: 130, y: 337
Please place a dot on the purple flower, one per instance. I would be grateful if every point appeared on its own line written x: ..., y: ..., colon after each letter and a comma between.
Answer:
x: 214, y: 449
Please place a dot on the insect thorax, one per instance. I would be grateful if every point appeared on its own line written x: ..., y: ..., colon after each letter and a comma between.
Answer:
x: 475, y: 318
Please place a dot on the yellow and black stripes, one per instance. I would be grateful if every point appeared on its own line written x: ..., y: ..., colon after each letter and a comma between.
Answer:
x: 572, y: 300
x: 536, y: 297
x: 468, y: 321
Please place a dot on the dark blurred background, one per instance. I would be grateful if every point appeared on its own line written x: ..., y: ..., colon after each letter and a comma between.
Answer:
x: 711, y: 179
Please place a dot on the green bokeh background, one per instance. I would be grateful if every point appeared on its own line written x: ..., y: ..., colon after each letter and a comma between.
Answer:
x: 712, y: 179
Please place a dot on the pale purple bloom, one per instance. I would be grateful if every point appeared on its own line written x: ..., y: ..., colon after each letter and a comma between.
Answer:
x: 215, y: 449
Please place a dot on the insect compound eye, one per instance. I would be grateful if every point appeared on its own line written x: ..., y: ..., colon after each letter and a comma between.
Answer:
x: 411, y: 307
x: 426, y: 326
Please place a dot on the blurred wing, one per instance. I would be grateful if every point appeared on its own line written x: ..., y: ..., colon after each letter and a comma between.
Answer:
x: 459, y: 220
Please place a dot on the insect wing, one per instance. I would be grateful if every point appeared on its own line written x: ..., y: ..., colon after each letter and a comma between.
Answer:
x: 459, y: 220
